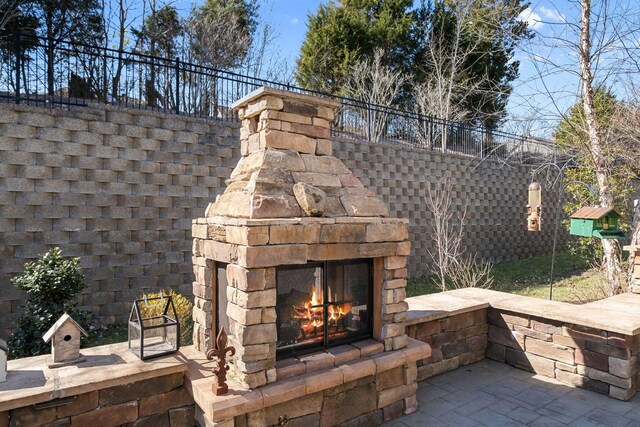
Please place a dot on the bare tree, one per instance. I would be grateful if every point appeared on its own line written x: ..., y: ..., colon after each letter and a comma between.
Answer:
x: 595, y: 45
x: 447, y: 88
x: 373, y: 83
x: 119, y: 23
x: 264, y: 59
x: 453, y: 268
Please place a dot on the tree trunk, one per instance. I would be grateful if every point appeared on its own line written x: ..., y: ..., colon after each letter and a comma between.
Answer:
x: 611, y: 259
x: 49, y: 52
x: 634, y: 241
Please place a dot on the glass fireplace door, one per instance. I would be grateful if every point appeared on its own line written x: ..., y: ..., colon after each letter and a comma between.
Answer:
x: 320, y: 305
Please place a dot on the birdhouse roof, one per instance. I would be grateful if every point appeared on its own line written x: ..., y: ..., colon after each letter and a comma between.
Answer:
x: 3, y: 345
x: 589, y: 212
x: 61, y: 321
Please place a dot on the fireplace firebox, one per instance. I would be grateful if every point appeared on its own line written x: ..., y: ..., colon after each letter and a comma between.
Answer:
x: 321, y: 305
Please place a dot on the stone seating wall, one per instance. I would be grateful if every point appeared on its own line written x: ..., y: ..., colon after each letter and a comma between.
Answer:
x: 595, y: 346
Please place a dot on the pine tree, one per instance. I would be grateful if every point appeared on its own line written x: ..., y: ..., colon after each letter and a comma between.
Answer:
x: 339, y: 34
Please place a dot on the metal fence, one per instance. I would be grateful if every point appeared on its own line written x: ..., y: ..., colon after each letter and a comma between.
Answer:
x: 62, y: 74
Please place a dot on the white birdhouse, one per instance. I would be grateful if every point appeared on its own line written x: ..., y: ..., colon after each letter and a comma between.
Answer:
x: 3, y: 360
x: 65, y: 342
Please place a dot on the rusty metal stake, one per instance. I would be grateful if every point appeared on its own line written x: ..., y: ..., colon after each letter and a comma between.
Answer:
x: 219, y: 351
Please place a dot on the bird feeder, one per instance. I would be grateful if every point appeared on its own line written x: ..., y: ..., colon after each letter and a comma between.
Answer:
x: 154, y: 329
x: 534, y: 208
x: 602, y: 223
x: 3, y: 360
x: 64, y: 336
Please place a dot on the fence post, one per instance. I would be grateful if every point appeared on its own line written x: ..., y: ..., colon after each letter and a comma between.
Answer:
x: 368, y: 122
x: 177, y: 85
x: 18, y: 65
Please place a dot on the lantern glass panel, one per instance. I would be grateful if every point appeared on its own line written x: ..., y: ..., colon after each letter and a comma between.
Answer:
x: 154, y: 329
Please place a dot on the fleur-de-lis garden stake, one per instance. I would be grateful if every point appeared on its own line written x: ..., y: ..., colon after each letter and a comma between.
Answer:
x: 219, y: 351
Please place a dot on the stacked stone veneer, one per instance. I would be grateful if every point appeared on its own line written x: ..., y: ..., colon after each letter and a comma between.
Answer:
x: 256, y: 225
x: 160, y: 401
x: 455, y: 341
x: 634, y: 260
x: 119, y: 187
x: 251, y: 275
x: 591, y: 358
x: 368, y: 401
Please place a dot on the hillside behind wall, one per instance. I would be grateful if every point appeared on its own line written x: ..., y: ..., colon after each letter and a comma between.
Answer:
x: 119, y: 188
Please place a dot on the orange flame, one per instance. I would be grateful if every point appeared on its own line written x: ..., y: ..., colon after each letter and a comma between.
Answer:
x: 312, y: 318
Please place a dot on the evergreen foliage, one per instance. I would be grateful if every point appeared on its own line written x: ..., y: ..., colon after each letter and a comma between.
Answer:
x: 51, y: 283
x: 344, y: 32
x: 341, y: 33
x: 221, y: 32
x: 159, y: 32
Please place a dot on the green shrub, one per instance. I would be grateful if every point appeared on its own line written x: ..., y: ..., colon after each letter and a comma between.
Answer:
x: 51, y: 284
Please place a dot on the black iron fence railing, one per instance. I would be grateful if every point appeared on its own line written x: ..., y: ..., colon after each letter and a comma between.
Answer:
x: 61, y: 74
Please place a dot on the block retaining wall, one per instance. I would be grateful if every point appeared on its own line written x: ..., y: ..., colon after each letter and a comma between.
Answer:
x: 119, y: 189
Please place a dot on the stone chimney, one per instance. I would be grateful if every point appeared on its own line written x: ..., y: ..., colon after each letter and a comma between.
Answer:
x: 286, y: 148
x: 289, y: 201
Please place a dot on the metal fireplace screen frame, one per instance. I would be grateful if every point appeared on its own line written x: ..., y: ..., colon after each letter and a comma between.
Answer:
x: 323, y: 304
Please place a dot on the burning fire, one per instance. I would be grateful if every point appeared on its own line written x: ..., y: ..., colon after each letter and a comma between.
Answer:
x: 312, y: 318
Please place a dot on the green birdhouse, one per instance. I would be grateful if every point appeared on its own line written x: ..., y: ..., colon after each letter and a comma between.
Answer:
x: 602, y: 223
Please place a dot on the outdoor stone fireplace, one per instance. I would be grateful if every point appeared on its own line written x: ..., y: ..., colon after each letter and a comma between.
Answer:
x: 296, y: 256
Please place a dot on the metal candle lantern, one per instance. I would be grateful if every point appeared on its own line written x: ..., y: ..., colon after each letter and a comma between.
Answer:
x: 154, y: 329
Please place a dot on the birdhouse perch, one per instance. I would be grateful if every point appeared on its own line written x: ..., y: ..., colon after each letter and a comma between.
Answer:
x: 65, y: 342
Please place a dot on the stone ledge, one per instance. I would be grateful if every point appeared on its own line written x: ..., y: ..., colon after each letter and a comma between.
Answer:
x: 199, y: 379
x: 265, y: 90
x: 223, y: 220
x: 603, y: 314
x: 426, y: 308
x: 335, y: 356
x: 30, y: 381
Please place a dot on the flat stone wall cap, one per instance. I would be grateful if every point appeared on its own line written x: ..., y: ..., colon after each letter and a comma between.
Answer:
x: 265, y: 90
x: 620, y: 313
x: 594, y: 317
x: 31, y: 381
x: 530, y: 306
x: 416, y: 350
x: 425, y: 308
x: 480, y: 295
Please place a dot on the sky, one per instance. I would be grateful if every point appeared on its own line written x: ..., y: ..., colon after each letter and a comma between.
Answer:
x: 290, y: 21
x: 541, y: 93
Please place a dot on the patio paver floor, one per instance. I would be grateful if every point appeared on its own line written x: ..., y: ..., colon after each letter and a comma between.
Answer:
x: 495, y: 394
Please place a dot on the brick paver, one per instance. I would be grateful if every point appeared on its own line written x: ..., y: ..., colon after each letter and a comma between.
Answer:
x: 495, y: 394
